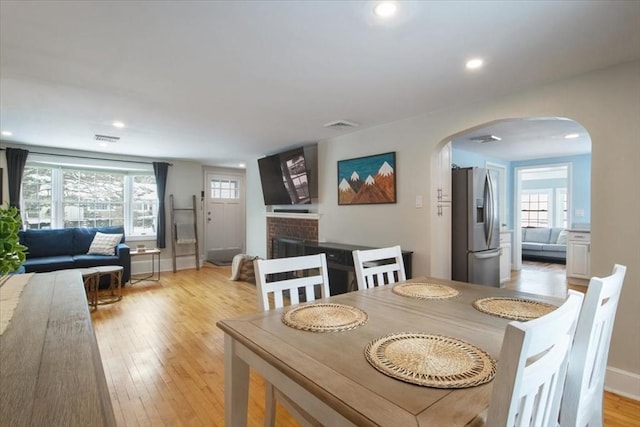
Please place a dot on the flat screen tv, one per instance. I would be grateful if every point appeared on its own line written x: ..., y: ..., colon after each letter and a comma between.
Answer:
x: 284, y: 178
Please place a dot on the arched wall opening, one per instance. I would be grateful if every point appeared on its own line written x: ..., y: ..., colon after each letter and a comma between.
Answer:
x: 504, y: 147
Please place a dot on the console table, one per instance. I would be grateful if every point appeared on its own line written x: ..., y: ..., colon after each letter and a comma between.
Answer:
x: 51, y: 368
x: 339, y: 258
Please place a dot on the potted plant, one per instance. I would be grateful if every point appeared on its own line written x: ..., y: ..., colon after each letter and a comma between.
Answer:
x: 12, y: 253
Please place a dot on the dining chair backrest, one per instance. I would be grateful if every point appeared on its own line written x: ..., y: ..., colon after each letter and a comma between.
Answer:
x: 532, y: 367
x: 377, y: 267
x: 584, y: 387
x: 274, y: 276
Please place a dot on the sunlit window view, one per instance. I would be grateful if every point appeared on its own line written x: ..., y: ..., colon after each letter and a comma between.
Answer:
x: 54, y: 197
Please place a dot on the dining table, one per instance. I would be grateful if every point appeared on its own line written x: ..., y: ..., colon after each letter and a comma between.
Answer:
x: 329, y: 376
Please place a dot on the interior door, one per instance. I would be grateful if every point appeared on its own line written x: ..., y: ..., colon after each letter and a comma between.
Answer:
x: 224, y: 217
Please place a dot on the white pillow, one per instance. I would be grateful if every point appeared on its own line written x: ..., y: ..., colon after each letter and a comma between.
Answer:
x: 104, y: 244
x: 562, y: 238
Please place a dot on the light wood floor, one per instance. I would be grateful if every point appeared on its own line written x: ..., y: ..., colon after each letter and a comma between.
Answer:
x: 163, y: 354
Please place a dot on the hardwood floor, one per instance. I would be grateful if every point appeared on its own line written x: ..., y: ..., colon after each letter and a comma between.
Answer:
x: 541, y: 278
x: 163, y: 354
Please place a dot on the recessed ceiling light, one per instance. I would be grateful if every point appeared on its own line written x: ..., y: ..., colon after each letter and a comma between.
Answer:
x: 474, y: 64
x: 571, y: 136
x: 242, y: 165
x: 7, y: 133
x: 385, y: 9
x: 118, y: 124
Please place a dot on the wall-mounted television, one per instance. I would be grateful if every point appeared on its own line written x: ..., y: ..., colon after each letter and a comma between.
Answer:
x: 285, y: 177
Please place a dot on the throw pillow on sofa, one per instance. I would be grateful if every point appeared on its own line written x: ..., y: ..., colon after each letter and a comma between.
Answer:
x: 562, y: 238
x: 104, y: 244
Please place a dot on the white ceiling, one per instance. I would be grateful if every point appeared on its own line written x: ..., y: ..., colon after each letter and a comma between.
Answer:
x: 226, y: 82
x: 526, y: 139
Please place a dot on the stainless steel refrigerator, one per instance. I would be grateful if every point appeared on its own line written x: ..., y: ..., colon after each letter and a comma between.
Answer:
x: 475, y: 227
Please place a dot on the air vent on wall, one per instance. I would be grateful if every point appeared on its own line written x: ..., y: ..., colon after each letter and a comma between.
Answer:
x: 341, y: 124
x: 486, y: 138
x: 107, y: 138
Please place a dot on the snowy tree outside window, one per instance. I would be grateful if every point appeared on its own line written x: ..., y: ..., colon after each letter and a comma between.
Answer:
x: 57, y: 197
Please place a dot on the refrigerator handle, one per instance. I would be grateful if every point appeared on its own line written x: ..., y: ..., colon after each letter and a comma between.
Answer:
x: 488, y: 209
x: 492, y: 254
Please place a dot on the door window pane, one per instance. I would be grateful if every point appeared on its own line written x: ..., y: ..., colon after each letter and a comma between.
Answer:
x: 224, y: 189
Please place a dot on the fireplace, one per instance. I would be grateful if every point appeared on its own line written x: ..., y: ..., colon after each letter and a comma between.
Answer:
x: 294, y: 226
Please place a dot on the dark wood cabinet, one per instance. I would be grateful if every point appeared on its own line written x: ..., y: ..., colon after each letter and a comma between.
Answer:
x: 339, y: 259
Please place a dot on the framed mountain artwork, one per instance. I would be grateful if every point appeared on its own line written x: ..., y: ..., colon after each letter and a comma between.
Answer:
x: 367, y: 180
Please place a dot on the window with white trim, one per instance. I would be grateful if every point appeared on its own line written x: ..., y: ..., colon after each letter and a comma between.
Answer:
x: 535, y: 208
x: 562, y: 214
x: 225, y: 189
x: 63, y: 197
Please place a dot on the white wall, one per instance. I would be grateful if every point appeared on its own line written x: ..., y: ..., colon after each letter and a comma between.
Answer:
x: 605, y: 102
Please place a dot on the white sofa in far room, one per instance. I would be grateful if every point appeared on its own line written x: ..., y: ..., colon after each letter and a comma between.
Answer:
x: 541, y: 243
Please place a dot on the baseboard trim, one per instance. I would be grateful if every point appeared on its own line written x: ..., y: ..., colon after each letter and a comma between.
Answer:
x: 621, y: 382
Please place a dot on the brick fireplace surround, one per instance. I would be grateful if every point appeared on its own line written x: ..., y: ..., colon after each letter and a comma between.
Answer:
x: 291, y: 227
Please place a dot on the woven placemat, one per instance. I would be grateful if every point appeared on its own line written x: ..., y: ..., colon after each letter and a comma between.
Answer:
x: 431, y: 360
x: 425, y: 290
x: 324, y: 317
x: 513, y: 308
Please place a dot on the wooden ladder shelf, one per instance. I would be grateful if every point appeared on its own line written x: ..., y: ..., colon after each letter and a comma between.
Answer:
x: 181, y: 231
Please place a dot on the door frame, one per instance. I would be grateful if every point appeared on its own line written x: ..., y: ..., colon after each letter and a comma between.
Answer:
x: 205, y: 199
x: 517, y: 197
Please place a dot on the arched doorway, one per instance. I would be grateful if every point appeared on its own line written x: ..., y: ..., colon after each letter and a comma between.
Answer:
x: 503, y: 145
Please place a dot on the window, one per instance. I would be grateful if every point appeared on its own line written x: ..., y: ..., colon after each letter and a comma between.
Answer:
x: 36, y: 198
x: 562, y: 219
x: 63, y: 197
x: 535, y: 206
x: 225, y: 189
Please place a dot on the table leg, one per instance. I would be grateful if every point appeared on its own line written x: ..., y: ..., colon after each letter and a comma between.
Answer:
x: 236, y: 386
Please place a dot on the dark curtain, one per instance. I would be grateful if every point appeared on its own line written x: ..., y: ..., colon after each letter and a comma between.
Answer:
x: 16, y: 159
x: 161, y: 171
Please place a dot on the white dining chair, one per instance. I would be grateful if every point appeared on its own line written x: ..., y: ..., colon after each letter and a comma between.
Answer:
x: 273, y: 278
x: 584, y: 386
x: 378, y: 267
x: 532, y: 367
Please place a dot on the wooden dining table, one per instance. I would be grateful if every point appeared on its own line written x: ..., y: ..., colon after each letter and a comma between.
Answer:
x: 329, y: 376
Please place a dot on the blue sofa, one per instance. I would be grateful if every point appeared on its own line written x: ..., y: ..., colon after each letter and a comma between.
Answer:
x: 59, y: 249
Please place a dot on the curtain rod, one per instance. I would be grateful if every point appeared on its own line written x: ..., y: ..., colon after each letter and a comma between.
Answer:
x: 89, y: 158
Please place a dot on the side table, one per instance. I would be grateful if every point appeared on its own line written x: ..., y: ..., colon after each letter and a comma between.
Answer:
x: 91, y: 280
x: 115, y: 283
x: 155, y: 255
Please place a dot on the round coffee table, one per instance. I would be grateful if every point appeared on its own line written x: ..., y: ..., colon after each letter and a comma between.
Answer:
x: 114, y: 292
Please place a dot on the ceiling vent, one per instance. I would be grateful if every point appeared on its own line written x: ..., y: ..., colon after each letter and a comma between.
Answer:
x: 107, y: 138
x: 483, y: 139
x: 341, y: 124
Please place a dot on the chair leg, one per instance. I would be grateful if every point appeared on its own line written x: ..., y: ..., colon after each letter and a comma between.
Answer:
x: 269, y: 405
